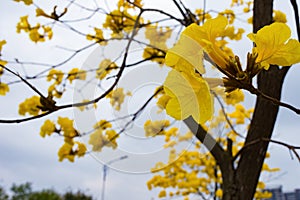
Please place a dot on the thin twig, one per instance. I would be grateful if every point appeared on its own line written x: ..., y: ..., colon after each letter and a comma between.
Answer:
x: 226, y: 116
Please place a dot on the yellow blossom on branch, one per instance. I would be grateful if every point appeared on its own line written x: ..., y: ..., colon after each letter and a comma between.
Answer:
x: 102, y: 136
x: 98, y: 36
x: 105, y: 67
x: 274, y: 46
x: 76, y: 73
x: 154, y: 128
x: 67, y: 127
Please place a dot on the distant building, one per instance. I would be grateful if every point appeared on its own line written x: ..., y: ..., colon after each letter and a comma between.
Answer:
x: 278, y: 194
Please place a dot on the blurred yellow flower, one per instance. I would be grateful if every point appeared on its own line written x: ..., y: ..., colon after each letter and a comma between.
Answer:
x: 76, y: 73
x: 3, y: 88
x: 26, y: 2
x: 31, y: 106
x: 48, y: 128
x: 279, y: 16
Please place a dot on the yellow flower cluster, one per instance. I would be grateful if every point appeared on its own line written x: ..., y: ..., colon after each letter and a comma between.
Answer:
x: 202, y: 16
x: 66, y: 126
x: 34, y: 31
x: 279, y: 16
x: 31, y: 105
x: 188, y: 172
x: 157, y: 46
x: 240, y: 114
x: 120, y: 22
x: 105, y: 67
x: 234, y: 97
x: 98, y: 37
x: 47, y: 128
x: 70, y: 149
x: 103, y: 136
x: 117, y: 97
x: 154, y: 128
x: 76, y: 73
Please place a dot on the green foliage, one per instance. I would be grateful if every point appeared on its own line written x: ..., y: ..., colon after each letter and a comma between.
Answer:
x: 24, y: 192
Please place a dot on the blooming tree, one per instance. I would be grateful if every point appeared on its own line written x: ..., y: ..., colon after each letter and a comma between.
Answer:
x: 210, y: 107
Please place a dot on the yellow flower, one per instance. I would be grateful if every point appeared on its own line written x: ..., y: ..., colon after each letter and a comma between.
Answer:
x: 105, y: 67
x: 117, y: 97
x: 76, y: 73
x: 234, y: 97
x: 206, y: 36
x: 118, y: 21
x: 153, y: 128
x: 57, y: 75
x: 162, y: 101
x: 273, y: 46
x: 219, y: 193
x: 190, y: 96
x: 279, y: 16
x: 23, y: 24
x: 66, y: 126
x: 2, y: 42
x: 81, y: 149
x: 31, y: 106
x: 98, y: 37
x: 48, y: 128
x: 40, y: 12
x: 162, y: 194
x: 66, y: 152
x: 3, y: 88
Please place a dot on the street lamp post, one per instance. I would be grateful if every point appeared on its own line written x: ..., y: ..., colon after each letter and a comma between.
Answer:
x: 105, y: 169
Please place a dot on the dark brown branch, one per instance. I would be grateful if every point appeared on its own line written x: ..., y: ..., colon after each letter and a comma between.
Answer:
x: 273, y: 100
x: 226, y: 116
x: 210, y: 143
x: 25, y: 81
x: 92, y: 101
x: 248, y: 145
x: 296, y: 13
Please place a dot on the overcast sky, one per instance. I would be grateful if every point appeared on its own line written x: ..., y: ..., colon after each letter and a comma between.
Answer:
x: 25, y: 156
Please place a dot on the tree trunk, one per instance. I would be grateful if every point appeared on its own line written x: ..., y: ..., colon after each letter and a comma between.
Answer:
x: 269, y: 82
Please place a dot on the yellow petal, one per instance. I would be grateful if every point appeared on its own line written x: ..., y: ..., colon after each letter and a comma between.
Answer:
x: 273, y: 46
x: 188, y: 52
x: 206, y: 37
x: 190, y: 96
